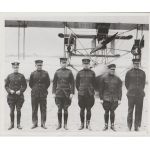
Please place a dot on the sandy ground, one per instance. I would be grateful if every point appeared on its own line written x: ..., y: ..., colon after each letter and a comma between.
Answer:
x: 97, y: 121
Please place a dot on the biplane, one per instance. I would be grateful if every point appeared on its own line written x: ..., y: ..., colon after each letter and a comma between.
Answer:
x: 102, y: 43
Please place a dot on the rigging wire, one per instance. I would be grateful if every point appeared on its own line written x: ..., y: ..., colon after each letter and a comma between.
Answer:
x: 103, y: 59
x: 123, y: 40
x: 87, y: 54
x: 78, y: 39
x: 118, y: 58
x: 128, y: 30
x: 107, y: 48
x: 120, y: 50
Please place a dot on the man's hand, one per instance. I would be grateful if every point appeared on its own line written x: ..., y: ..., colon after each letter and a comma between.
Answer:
x: 71, y: 96
x: 12, y: 91
x: 101, y: 101
x: 18, y: 92
x: 119, y: 102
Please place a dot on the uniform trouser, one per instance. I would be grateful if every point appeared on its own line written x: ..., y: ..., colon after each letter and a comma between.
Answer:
x: 62, y: 103
x: 85, y: 102
x: 137, y: 103
x: 110, y: 106
x: 15, y: 103
x: 36, y: 102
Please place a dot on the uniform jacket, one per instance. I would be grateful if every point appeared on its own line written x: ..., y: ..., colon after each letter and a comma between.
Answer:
x: 63, y: 83
x: 110, y: 88
x: 16, y: 82
x: 135, y: 82
x: 86, y: 82
x: 39, y: 83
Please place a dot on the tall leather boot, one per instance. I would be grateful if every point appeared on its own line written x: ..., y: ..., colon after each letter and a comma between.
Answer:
x: 136, y: 127
x: 105, y: 127
x: 106, y: 118
x: 12, y: 121
x: 65, y: 120
x: 11, y: 126
x: 82, y: 117
x: 129, y: 124
x: 82, y: 126
x: 59, y: 121
x: 112, y: 119
x: 88, y: 117
x: 88, y: 125
x: 43, y: 125
x: 18, y: 120
x: 113, y: 127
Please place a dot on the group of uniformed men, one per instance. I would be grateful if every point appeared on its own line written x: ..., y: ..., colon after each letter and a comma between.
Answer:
x: 109, y: 86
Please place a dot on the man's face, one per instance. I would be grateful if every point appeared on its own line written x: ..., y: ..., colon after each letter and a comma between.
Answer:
x: 39, y: 66
x: 112, y: 71
x: 63, y: 64
x: 15, y: 68
x: 136, y: 65
x: 86, y: 66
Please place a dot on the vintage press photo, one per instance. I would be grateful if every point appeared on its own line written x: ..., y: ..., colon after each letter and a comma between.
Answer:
x: 75, y: 74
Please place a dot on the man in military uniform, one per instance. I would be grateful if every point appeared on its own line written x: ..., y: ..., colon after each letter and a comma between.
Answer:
x: 63, y: 90
x: 135, y: 84
x: 15, y: 86
x: 110, y: 93
x: 85, y: 84
x: 39, y: 83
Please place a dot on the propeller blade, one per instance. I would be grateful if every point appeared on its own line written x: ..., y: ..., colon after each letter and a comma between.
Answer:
x: 102, y: 45
x: 109, y: 39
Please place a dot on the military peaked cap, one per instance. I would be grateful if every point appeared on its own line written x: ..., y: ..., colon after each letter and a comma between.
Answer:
x: 63, y: 59
x: 38, y: 61
x: 111, y: 66
x: 86, y: 60
x: 15, y: 63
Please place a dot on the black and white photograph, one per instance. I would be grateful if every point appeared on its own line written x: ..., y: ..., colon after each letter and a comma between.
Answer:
x: 75, y: 74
